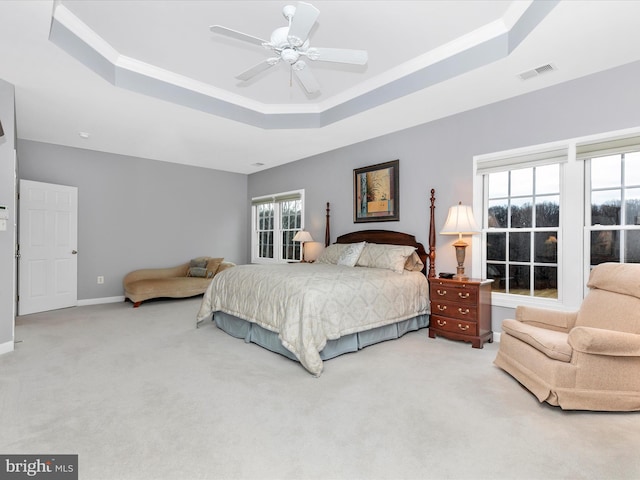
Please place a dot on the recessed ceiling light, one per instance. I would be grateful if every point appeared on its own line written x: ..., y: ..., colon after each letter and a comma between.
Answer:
x: 83, y: 135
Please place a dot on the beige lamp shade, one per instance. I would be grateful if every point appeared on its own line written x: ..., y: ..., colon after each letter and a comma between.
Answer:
x: 460, y: 221
x: 303, y: 236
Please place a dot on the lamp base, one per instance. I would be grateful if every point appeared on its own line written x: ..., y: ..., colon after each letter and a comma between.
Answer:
x: 460, y: 247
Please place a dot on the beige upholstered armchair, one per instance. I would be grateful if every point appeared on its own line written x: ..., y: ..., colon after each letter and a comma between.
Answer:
x: 584, y: 360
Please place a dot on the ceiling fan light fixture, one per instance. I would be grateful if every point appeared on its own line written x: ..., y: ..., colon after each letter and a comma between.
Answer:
x: 290, y: 55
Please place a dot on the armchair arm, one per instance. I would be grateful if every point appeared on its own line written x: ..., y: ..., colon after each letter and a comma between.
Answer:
x: 544, y: 318
x: 598, y: 341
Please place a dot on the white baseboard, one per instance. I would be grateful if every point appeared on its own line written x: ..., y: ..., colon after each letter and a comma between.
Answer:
x: 98, y: 301
x: 496, y: 336
x: 6, y: 347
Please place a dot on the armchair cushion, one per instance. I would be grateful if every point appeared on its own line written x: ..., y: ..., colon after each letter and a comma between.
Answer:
x: 204, y: 267
x: 213, y: 266
x: 197, y: 267
x: 610, y: 310
x: 549, y: 319
x: 616, y: 277
x: 552, y: 343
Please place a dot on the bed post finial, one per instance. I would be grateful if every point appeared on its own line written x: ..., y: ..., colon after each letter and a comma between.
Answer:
x: 327, y: 230
x: 432, y: 237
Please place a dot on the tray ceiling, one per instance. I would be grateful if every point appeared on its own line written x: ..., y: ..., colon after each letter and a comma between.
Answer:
x: 148, y: 78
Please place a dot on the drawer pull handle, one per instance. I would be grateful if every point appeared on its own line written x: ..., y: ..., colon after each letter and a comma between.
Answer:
x: 441, y: 323
x: 463, y: 312
x: 463, y: 294
x: 463, y: 327
x: 442, y: 308
x: 442, y: 293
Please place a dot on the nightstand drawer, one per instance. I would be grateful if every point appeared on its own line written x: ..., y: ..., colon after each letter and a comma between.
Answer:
x: 453, y: 325
x: 450, y: 293
x: 455, y: 310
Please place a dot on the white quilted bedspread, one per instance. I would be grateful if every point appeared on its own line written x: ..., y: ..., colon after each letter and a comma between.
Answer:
x: 308, y: 304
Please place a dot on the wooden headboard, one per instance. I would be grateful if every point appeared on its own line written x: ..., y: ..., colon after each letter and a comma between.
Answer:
x: 398, y: 238
x: 387, y: 237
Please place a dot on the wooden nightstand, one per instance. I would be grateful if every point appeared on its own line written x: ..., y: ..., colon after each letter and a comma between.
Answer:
x: 461, y: 310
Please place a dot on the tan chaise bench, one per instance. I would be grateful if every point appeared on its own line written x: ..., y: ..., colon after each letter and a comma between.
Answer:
x: 173, y: 282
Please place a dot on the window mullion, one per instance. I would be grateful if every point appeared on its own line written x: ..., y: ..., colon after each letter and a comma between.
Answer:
x: 277, y: 231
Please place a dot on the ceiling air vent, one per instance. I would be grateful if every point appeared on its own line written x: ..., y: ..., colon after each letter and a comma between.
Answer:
x: 537, y: 71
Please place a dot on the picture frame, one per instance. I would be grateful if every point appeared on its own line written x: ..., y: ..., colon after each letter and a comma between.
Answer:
x: 376, y: 193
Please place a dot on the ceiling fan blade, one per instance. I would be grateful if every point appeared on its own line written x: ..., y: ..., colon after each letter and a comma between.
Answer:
x: 302, y: 22
x: 305, y: 76
x: 257, y: 69
x: 237, y: 35
x: 339, y: 55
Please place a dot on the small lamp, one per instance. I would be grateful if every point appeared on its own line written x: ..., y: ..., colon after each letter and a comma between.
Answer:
x: 303, y: 236
x: 460, y: 222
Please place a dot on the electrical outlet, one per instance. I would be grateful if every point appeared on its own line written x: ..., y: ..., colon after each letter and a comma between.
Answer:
x: 100, y: 279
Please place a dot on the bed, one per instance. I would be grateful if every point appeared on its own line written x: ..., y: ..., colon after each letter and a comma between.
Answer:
x: 312, y: 312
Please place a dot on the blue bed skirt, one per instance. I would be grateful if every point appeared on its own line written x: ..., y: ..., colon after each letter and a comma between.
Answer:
x: 251, y: 332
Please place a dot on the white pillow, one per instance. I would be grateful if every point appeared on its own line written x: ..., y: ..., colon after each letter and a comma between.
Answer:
x: 332, y: 253
x: 350, y: 256
x: 414, y: 263
x: 391, y: 257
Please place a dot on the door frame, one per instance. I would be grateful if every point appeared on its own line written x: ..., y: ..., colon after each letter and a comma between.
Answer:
x: 53, y: 256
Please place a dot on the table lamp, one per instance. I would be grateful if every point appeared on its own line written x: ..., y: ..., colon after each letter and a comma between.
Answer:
x: 460, y: 221
x: 303, y: 236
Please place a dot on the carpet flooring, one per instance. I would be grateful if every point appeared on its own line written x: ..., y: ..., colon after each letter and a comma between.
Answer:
x: 142, y: 394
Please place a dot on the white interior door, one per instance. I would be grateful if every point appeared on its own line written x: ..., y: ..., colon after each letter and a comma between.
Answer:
x: 48, y: 239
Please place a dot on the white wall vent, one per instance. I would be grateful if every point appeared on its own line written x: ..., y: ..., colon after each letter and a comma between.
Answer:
x: 537, y: 71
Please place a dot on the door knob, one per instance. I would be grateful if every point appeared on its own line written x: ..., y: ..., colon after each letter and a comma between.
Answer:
x: 74, y: 252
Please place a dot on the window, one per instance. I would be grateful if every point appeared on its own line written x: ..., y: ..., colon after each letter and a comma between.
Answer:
x: 612, y: 214
x: 275, y: 221
x: 552, y: 213
x: 522, y: 230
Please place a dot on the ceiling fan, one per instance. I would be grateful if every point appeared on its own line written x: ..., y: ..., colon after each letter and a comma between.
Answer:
x: 291, y: 45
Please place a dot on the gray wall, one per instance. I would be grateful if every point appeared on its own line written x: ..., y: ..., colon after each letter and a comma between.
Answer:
x: 439, y: 155
x: 7, y: 197
x: 138, y: 213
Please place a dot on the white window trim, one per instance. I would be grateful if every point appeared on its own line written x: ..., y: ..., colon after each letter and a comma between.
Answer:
x: 575, y: 241
x: 277, y: 240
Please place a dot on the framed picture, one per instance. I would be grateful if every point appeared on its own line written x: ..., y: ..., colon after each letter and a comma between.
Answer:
x: 376, y: 193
